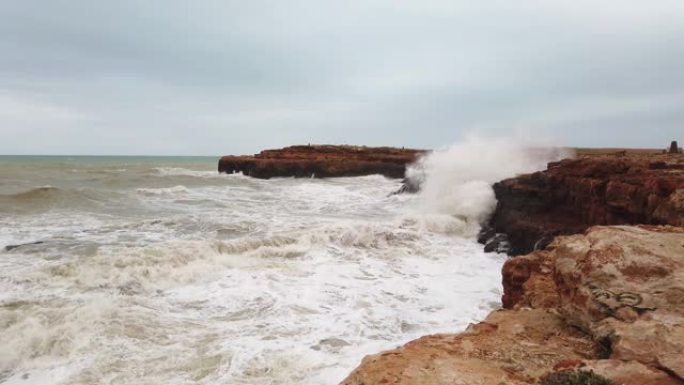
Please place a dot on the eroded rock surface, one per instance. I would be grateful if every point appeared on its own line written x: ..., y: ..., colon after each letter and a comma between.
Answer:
x: 625, y: 285
x: 322, y: 162
x: 509, y: 347
x: 574, y: 194
x: 610, y: 301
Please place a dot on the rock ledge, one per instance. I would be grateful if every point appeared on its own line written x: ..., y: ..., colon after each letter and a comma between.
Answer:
x: 574, y: 194
x: 322, y: 161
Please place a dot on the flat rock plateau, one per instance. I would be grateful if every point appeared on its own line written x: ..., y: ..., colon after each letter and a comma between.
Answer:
x: 322, y: 161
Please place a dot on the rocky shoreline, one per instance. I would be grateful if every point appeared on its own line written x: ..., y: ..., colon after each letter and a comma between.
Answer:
x: 322, y: 161
x: 574, y: 194
x: 601, y: 298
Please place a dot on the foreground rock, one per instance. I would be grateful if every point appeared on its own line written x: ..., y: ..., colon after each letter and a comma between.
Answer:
x: 509, y: 347
x: 610, y: 301
x: 574, y: 194
x: 322, y: 162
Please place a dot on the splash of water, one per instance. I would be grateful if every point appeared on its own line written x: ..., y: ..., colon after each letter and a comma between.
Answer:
x: 458, y: 180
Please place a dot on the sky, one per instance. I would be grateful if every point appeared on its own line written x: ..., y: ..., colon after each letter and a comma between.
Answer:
x: 168, y: 77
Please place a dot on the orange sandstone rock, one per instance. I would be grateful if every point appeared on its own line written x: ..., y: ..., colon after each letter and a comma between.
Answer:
x: 610, y: 300
x: 322, y: 162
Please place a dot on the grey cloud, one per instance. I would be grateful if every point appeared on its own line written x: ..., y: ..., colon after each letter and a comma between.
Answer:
x: 213, y: 77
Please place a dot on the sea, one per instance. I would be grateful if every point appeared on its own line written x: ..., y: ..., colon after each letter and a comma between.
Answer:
x: 160, y: 270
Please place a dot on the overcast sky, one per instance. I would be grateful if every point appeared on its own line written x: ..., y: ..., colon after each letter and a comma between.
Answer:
x: 220, y: 77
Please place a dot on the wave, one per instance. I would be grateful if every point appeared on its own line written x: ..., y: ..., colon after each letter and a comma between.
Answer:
x: 301, y: 276
x: 146, y: 268
x: 180, y: 189
x: 44, y: 198
x: 35, y: 199
x: 179, y: 171
x: 186, y: 298
x: 34, y: 193
x: 458, y: 180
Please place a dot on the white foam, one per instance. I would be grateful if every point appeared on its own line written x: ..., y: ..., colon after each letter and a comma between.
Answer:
x: 179, y: 171
x: 252, y: 282
x: 175, y: 190
x: 457, y: 180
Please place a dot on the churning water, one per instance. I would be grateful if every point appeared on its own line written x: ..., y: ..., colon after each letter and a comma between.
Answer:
x: 160, y: 271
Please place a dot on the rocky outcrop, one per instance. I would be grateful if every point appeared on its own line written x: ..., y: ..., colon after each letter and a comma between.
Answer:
x: 625, y: 287
x: 574, y: 194
x: 322, y: 162
x: 509, y: 347
x: 610, y: 301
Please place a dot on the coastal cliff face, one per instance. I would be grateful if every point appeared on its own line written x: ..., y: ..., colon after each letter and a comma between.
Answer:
x: 322, y: 162
x: 574, y: 194
x: 610, y: 301
x: 605, y: 302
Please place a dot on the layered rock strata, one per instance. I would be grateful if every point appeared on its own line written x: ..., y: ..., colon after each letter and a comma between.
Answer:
x: 574, y: 194
x: 610, y: 301
x: 322, y: 162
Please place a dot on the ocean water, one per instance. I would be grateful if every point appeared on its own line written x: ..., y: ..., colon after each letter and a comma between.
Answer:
x: 143, y: 270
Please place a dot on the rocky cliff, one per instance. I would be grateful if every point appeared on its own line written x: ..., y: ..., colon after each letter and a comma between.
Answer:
x: 604, y: 305
x: 573, y: 194
x: 322, y: 162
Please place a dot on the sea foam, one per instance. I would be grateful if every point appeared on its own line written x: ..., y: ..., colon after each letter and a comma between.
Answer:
x: 228, y: 279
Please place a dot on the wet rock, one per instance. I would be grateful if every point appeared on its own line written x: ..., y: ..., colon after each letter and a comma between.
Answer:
x: 497, y: 244
x: 408, y: 186
x: 322, y: 162
x: 330, y: 343
x: 14, y: 247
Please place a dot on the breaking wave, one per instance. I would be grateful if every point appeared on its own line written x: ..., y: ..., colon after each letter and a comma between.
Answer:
x: 164, y: 191
x: 43, y: 198
x: 179, y: 171
x: 186, y: 276
x: 41, y: 192
x: 458, y: 180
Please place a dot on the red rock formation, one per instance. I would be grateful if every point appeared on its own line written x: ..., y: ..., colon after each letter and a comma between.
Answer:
x: 528, y: 281
x: 574, y: 194
x: 322, y: 162
x: 610, y: 301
